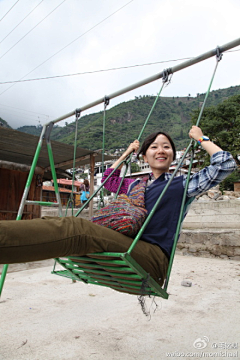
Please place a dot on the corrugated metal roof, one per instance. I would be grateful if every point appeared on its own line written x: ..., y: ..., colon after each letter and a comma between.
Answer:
x: 19, y: 147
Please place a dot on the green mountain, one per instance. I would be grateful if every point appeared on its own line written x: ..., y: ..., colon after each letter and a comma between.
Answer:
x: 125, y: 121
x: 36, y: 130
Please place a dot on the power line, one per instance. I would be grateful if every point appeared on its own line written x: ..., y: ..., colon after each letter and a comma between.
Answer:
x: 33, y: 112
x: 100, y: 22
x: 90, y: 72
x: 232, y: 50
x: 31, y: 29
x: 23, y: 116
x: 61, y: 50
x: 99, y: 71
x: 20, y: 22
x: 9, y: 10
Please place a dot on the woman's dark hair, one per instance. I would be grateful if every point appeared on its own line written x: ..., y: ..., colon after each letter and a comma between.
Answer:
x: 150, y: 139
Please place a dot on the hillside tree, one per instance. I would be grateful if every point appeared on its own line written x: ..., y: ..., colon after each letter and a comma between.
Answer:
x: 221, y: 124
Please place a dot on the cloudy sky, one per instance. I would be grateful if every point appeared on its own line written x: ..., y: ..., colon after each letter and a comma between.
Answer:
x: 54, y: 40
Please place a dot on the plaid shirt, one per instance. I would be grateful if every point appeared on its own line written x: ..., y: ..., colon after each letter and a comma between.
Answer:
x: 222, y: 165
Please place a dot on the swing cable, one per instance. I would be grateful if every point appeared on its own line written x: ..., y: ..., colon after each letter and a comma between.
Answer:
x: 126, y: 161
x: 71, y: 197
x: 106, y: 103
x: 193, y: 144
x: 165, y: 82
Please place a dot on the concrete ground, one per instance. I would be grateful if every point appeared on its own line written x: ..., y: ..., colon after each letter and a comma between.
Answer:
x: 43, y: 316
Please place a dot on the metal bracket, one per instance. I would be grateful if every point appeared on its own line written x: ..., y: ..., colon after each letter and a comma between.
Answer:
x: 77, y: 113
x: 165, y: 75
x: 106, y: 101
x: 218, y: 54
x: 48, y: 131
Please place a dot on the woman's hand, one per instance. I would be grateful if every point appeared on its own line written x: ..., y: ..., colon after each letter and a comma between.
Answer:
x: 134, y: 146
x: 211, y: 148
x: 195, y: 133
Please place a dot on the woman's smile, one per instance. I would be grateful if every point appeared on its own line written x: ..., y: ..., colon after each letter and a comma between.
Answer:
x: 159, y: 155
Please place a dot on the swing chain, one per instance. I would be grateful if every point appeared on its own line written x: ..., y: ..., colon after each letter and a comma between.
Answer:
x: 218, y: 54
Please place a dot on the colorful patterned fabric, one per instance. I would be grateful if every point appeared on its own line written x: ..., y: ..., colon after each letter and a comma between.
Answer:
x: 126, y: 214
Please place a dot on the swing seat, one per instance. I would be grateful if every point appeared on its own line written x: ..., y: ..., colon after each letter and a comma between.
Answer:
x: 118, y: 271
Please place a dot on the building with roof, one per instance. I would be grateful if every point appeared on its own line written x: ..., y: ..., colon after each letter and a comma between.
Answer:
x: 17, y: 151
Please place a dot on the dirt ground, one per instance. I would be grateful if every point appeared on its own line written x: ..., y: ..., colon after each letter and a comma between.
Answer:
x: 44, y: 316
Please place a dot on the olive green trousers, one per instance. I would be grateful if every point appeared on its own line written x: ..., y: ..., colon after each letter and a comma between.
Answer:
x: 51, y: 237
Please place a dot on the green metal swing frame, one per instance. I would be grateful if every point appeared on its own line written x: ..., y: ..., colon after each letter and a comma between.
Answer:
x: 116, y: 270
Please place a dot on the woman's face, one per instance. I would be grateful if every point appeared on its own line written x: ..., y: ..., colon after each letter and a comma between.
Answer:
x: 159, y: 155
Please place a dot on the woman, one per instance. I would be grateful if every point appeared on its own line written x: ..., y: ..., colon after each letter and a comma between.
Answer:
x: 158, y: 151
x: 38, y: 239
x: 85, y: 191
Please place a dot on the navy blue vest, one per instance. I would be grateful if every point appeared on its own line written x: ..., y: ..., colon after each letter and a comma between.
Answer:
x: 162, y: 226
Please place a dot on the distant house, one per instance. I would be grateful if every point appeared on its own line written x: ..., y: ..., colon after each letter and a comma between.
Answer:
x: 67, y: 184
x: 65, y: 190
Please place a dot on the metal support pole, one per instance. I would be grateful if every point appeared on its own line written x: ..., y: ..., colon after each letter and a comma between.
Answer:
x: 54, y: 175
x: 31, y: 173
x: 92, y: 164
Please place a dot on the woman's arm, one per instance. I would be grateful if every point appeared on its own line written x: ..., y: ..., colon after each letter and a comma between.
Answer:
x: 114, y: 181
x: 222, y: 165
x: 196, y: 133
